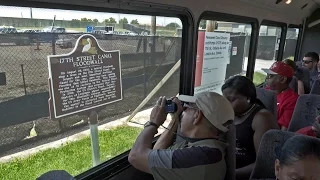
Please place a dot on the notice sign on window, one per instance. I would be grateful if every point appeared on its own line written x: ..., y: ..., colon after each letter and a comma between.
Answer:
x: 84, y: 79
x: 213, y: 55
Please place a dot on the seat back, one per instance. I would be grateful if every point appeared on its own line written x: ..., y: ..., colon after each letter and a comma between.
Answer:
x: 264, y: 166
x: 294, y: 84
x: 306, y: 78
x: 299, y: 63
x: 269, y: 99
x: 56, y: 175
x: 230, y: 137
x: 315, y: 87
x: 306, y: 110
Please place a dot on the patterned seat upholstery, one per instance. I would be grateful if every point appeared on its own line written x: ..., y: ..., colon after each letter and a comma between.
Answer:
x: 264, y: 167
x: 269, y: 99
x: 230, y: 137
x: 315, y: 87
x: 306, y: 78
x: 294, y: 84
x: 305, y: 112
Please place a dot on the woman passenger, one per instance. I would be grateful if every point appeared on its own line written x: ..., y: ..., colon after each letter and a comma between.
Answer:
x: 302, y: 89
x: 252, y: 121
x: 299, y: 158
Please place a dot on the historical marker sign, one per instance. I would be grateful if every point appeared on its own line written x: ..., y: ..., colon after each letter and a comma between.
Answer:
x: 85, y: 79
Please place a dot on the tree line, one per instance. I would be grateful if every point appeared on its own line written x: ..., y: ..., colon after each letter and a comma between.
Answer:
x: 124, y: 20
x: 111, y: 20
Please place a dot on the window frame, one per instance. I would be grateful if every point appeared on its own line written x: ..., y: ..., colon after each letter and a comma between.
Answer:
x: 283, y: 35
x: 112, y: 167
x: 299, y: 40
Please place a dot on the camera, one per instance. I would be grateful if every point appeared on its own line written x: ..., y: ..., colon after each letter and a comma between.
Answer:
x: 171, y: 107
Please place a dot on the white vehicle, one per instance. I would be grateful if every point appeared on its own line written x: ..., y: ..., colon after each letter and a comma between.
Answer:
x: 8, y: 29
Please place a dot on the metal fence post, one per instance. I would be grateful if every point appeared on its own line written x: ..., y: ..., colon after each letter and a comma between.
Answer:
x: 24, y: 81
x: 144, y: 66
x: 153, y: 51
x: 53, y: 44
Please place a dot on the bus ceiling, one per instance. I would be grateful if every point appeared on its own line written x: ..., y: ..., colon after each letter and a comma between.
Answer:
x: 288, y: 11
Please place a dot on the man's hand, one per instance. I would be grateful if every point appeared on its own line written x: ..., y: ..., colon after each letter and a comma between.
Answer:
x: 158, y: 114
x: 179, y: 108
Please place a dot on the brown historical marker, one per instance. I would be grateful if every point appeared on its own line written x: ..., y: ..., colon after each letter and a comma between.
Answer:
x: 83, y: 80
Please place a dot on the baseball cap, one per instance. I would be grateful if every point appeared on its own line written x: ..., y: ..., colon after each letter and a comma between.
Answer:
x: 216, y: 108
x: 280, y: 68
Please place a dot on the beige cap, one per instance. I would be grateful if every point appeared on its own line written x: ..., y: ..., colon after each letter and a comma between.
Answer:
x: 216, y: 108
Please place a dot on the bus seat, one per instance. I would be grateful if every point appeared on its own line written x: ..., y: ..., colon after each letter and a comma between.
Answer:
x: 56, y: 175
x: 306, y: 77
x: 230, y: 137
x: 299, y: 63
x: 269, y: 99
x: 305, y: 112
x: 315, y: 87
x: 264, y: 167
x: 294, y: 84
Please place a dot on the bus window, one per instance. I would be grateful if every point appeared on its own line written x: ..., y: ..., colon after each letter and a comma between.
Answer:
x: 222, y: 52
x: 30, y: 142
x: 291, y: 43
x: 268, y: 46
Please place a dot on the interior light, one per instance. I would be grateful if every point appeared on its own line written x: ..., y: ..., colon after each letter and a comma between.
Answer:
x: 288, y: 1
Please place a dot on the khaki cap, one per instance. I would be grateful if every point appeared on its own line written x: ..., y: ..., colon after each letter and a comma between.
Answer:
x: 216, y: 108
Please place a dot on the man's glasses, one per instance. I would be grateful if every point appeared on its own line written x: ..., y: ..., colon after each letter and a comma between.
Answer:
x: 306, y: 62
x: 269, y: 76
x: 186, y: 105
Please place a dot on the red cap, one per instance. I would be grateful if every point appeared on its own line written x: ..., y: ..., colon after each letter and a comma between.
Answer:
x: 280, y: 68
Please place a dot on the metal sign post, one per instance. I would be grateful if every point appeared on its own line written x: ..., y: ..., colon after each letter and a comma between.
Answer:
x: 94, y: 135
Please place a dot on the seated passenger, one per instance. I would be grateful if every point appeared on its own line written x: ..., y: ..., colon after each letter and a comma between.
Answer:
x: 252, y: 120
x: 313, y: 131
x: 201, y: 155
x: 310, y: 61
x: 302, y: 88
x: 279, y: 76
x: 299, y: 158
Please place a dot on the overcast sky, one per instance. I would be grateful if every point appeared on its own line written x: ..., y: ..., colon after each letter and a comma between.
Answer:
x: 39, y: 13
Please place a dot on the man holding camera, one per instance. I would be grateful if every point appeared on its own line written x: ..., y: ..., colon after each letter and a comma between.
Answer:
x: 201, y: 155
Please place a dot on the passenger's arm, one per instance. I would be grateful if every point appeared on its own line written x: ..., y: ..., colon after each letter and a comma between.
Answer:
x: 300, y: 87
x: 262, y: 122
x: 139, y: 153
x: 167, y: 137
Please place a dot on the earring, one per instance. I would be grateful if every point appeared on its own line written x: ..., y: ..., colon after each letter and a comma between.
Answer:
x: 248, y: 101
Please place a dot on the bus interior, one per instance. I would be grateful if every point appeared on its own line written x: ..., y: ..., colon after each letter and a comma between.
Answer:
x: 164, y: 63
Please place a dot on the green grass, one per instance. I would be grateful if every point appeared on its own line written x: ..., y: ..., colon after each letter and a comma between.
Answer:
x: 258, y: 78
x: 75, y: 157
x: 291, y: 58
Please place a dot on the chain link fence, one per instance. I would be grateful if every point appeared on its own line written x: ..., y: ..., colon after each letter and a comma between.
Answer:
x: 23, y: 57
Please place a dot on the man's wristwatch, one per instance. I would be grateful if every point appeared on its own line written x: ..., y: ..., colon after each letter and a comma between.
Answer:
x: 149, y: 123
